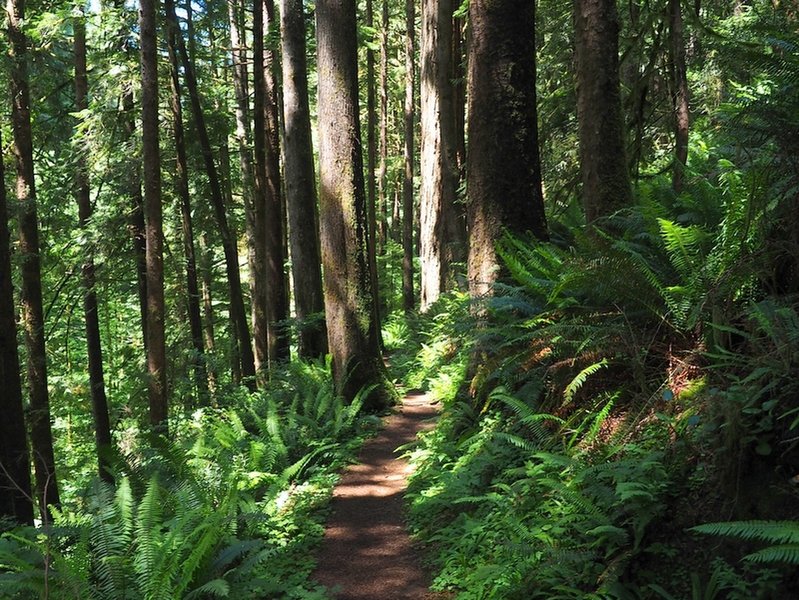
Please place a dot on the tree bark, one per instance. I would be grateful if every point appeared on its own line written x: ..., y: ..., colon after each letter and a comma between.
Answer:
x: 207, y: 274
x: 102, y: 425
x: 349, y: 304
x: 603, y: 164
x: 679, y: 94
x: 504, y: 171
x: 15, y: 477
x: 439, y: 235
x: 253, y: 213
x: 184, y: 198
x: 301, y: 195
x: 238, y: 314
x: 32, y: 312
x: 408, y: 298
x: 274, y: 214
x: 153, y: 217
x: 382, y: 178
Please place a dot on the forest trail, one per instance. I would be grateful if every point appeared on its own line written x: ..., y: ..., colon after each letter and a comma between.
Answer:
x: 367, y: 552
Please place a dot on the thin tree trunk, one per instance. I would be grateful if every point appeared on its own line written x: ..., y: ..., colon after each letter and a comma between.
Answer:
x: 182, y: 185
x: 274, y: 214
x: 238, y: 314
x: 459, y: 93
x: 439, y: 236
x: 102, y: 425
x: 33, y: 315
x: 603, y: 163
x: 207, y: 272
x: 15, y: 478
x: 153, y: 217
x: 504, y: 171
x: 408, y: 299
x: 301, y: 195
x: 679, y: 95
x: 253, y: 215
x: 382, y: 178
x: 349, y: 303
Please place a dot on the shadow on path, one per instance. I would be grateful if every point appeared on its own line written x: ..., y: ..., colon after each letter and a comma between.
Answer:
x: 367, y: 552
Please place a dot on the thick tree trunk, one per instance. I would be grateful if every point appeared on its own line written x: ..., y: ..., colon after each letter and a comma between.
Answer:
x: 238, y: 314
x: 504, y: 171
x: 153, y: 217
x: 102, y: 425
x: 439, y: 235
x: 408, y: 299
x: 606, y: 180
x: 301, y: 185
x: 679, y: 94
x: 32, y: 312
x: 349, y: 304
x: 275, y: 214
x: 15, y: 474
x: 184, y: 198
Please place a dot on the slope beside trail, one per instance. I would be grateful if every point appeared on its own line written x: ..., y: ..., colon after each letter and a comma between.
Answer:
x: 367, y: 552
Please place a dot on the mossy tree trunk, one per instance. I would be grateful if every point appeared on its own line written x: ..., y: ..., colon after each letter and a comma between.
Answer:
x: 504, y: 171
x: 603, y: 163
x: 344, y: 228
x: 301, y: 197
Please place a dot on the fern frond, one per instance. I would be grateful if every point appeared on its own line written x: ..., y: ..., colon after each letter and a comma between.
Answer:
x: 575, y: 384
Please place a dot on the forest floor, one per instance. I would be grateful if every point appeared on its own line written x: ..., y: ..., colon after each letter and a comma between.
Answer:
x: 367, y: 552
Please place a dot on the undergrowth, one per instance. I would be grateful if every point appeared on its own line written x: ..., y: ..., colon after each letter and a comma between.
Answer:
x: 229, y: 507
x: 620, y: 390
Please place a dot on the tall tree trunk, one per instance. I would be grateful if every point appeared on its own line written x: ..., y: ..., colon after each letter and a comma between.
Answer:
x: 408, y: 299
x: 32, y: 312
x: 15, y: 466
x: 459, y: 92
x: 382, y: 178
x: 274, y: 214
x: 260, y: 200
x: 238, y: 314
x: 182, y: 188
x: 603, y: 164
x: 349, y: 303
x: 153, y: 217
x: 301, y: 185
x: 102, y: 425
x: 371, y: 145
x: 253, y: 213
x: 504, y: 171
x: 439, y: 237
x: 679, y: 94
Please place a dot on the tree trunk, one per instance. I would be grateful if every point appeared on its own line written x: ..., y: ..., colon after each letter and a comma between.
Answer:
x: 32, y: 312
x: 349, y: 304
x: 679, y: 94
x: 301, y: 185
x: 438, y: 218
x: 408, y: 299
x: 182, y: 185
x: 102, y: 425
x: 382, y: 178
x: 606, y: 180
x: 504, y: 171
x: 274, y: 214
x: 153, y: 218
x: 15, y: 476
x: 459, y: 93
x: 253, y: 214
x: 238, y: 314
x: 207, y: 272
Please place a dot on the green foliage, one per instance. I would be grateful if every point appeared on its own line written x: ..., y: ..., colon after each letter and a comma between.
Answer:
x: 227, y: 509
x: 783, y: 534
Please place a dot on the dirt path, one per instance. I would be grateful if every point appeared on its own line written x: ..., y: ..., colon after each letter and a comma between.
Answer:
x: 367, y: 552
